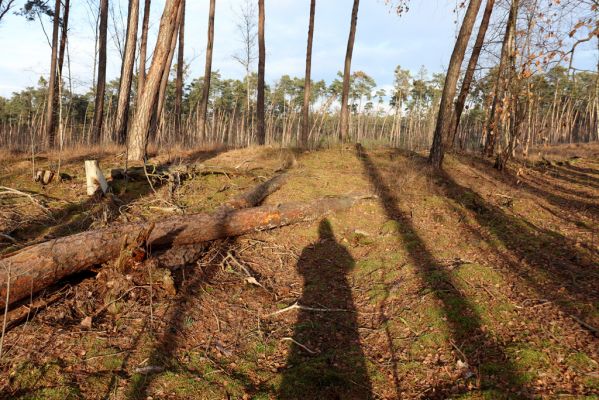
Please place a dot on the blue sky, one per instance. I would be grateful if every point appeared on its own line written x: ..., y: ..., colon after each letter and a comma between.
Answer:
x: 423, y: 36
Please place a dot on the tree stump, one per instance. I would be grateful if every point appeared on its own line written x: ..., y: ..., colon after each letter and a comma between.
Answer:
x: 94, y: 177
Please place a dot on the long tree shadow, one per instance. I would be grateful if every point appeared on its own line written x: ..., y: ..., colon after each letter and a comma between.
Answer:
x: 562, y: 176
x: 163, y: 354
x: 590, y: 172
x: 464, y: 324
x: 326, y: 360
x: 570, y: 204
x: 551, y: 264
x: 580, y: 175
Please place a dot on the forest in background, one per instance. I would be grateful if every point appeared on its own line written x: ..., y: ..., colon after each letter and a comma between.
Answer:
x: 519, y: 87
x: 564, y: 110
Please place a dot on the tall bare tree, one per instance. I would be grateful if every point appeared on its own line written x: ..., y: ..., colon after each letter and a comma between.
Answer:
x: 101, y: 82
x: 308, y: 80
x: 344, y: 119
x: 445, y: 115
x: 138, y: 137
x: 261, y: 131
x: 50, y: 127
x: 501, y: 83
x: 158, y: 120
x: 143, y: 47
x: 247, y: 28
x: 63, y: 35
x: 203, y: 107
x: 122, y: 111
x: 469, y: 75
x: 180, y: 70
x: 5, y: 6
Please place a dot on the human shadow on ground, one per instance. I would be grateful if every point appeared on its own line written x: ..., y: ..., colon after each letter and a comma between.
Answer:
x: 326, y: 360
x: 475, y: 346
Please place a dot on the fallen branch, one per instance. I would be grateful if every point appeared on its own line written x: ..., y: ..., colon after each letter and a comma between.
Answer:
x: 8, y: 237
x: 172, y: 171
x: 41, y: 265
x: 296, y: 306
x: 292, y: 340
x: 253, y: 197
x: 28, y: 311
x: 249, y: 198
x: 7, y: 190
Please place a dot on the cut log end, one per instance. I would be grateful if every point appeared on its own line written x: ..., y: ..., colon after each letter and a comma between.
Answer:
x: 44, y: 176
x: 95, y: 178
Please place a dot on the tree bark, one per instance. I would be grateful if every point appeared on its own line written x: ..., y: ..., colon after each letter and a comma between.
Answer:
x: 344, y: 120
x: 63, y: 42
x: 180, y: 67
x: 158, y: 117
x: 101, y: 82
x: 138, y: 137
x: 308, y: 80
x: 203, y: 108
x: 261, y: 132
x: 122, y: 112
x: 50, y: 126
x: 444, y: 119
x: 143, y: 48
x: 39, y: 266
x: 467, y: 82
x: 500, y: 85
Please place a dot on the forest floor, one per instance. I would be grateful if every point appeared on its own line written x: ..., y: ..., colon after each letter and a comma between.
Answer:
x: 466, y: 284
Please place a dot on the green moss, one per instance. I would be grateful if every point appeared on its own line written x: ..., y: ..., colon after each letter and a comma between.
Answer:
x: 427, y: 343
x: 391, y: 227
x: 54, y: 393
x: 179, y: 383
x: 528, y: 363
x: 475, y: 273
x: 581, y: 362
x: 42, y: 382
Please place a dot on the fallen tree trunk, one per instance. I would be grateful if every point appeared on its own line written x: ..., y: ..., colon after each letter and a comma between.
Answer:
x: 170, y: 171
x: 39, y: 266
x: 253, y: 197
x: 249, y: 198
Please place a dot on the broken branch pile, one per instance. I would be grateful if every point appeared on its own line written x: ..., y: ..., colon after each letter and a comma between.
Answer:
x: 42, y: 265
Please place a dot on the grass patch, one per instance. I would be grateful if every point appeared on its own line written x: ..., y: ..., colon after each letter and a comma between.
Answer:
x: 528, y: 362
x: 581, y: 362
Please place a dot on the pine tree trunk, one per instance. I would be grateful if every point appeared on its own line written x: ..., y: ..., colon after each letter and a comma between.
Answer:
x: 122, y: 111
x: 138, y: 137
x: 180, y: 66
x: 344, y: 119
x: 261, y: 132
x: 203, y: 108
x: 101, y: 82
x: 493, y: 120
x: 449, y: 88
x: 308, y: 80
x: 467, y: 82
x: 143, y: 48
x: 159, y: 116
x: 50, y: 127
x: 63, y: 39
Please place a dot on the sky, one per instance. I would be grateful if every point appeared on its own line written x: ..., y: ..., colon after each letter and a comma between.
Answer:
x: 422, y: 37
